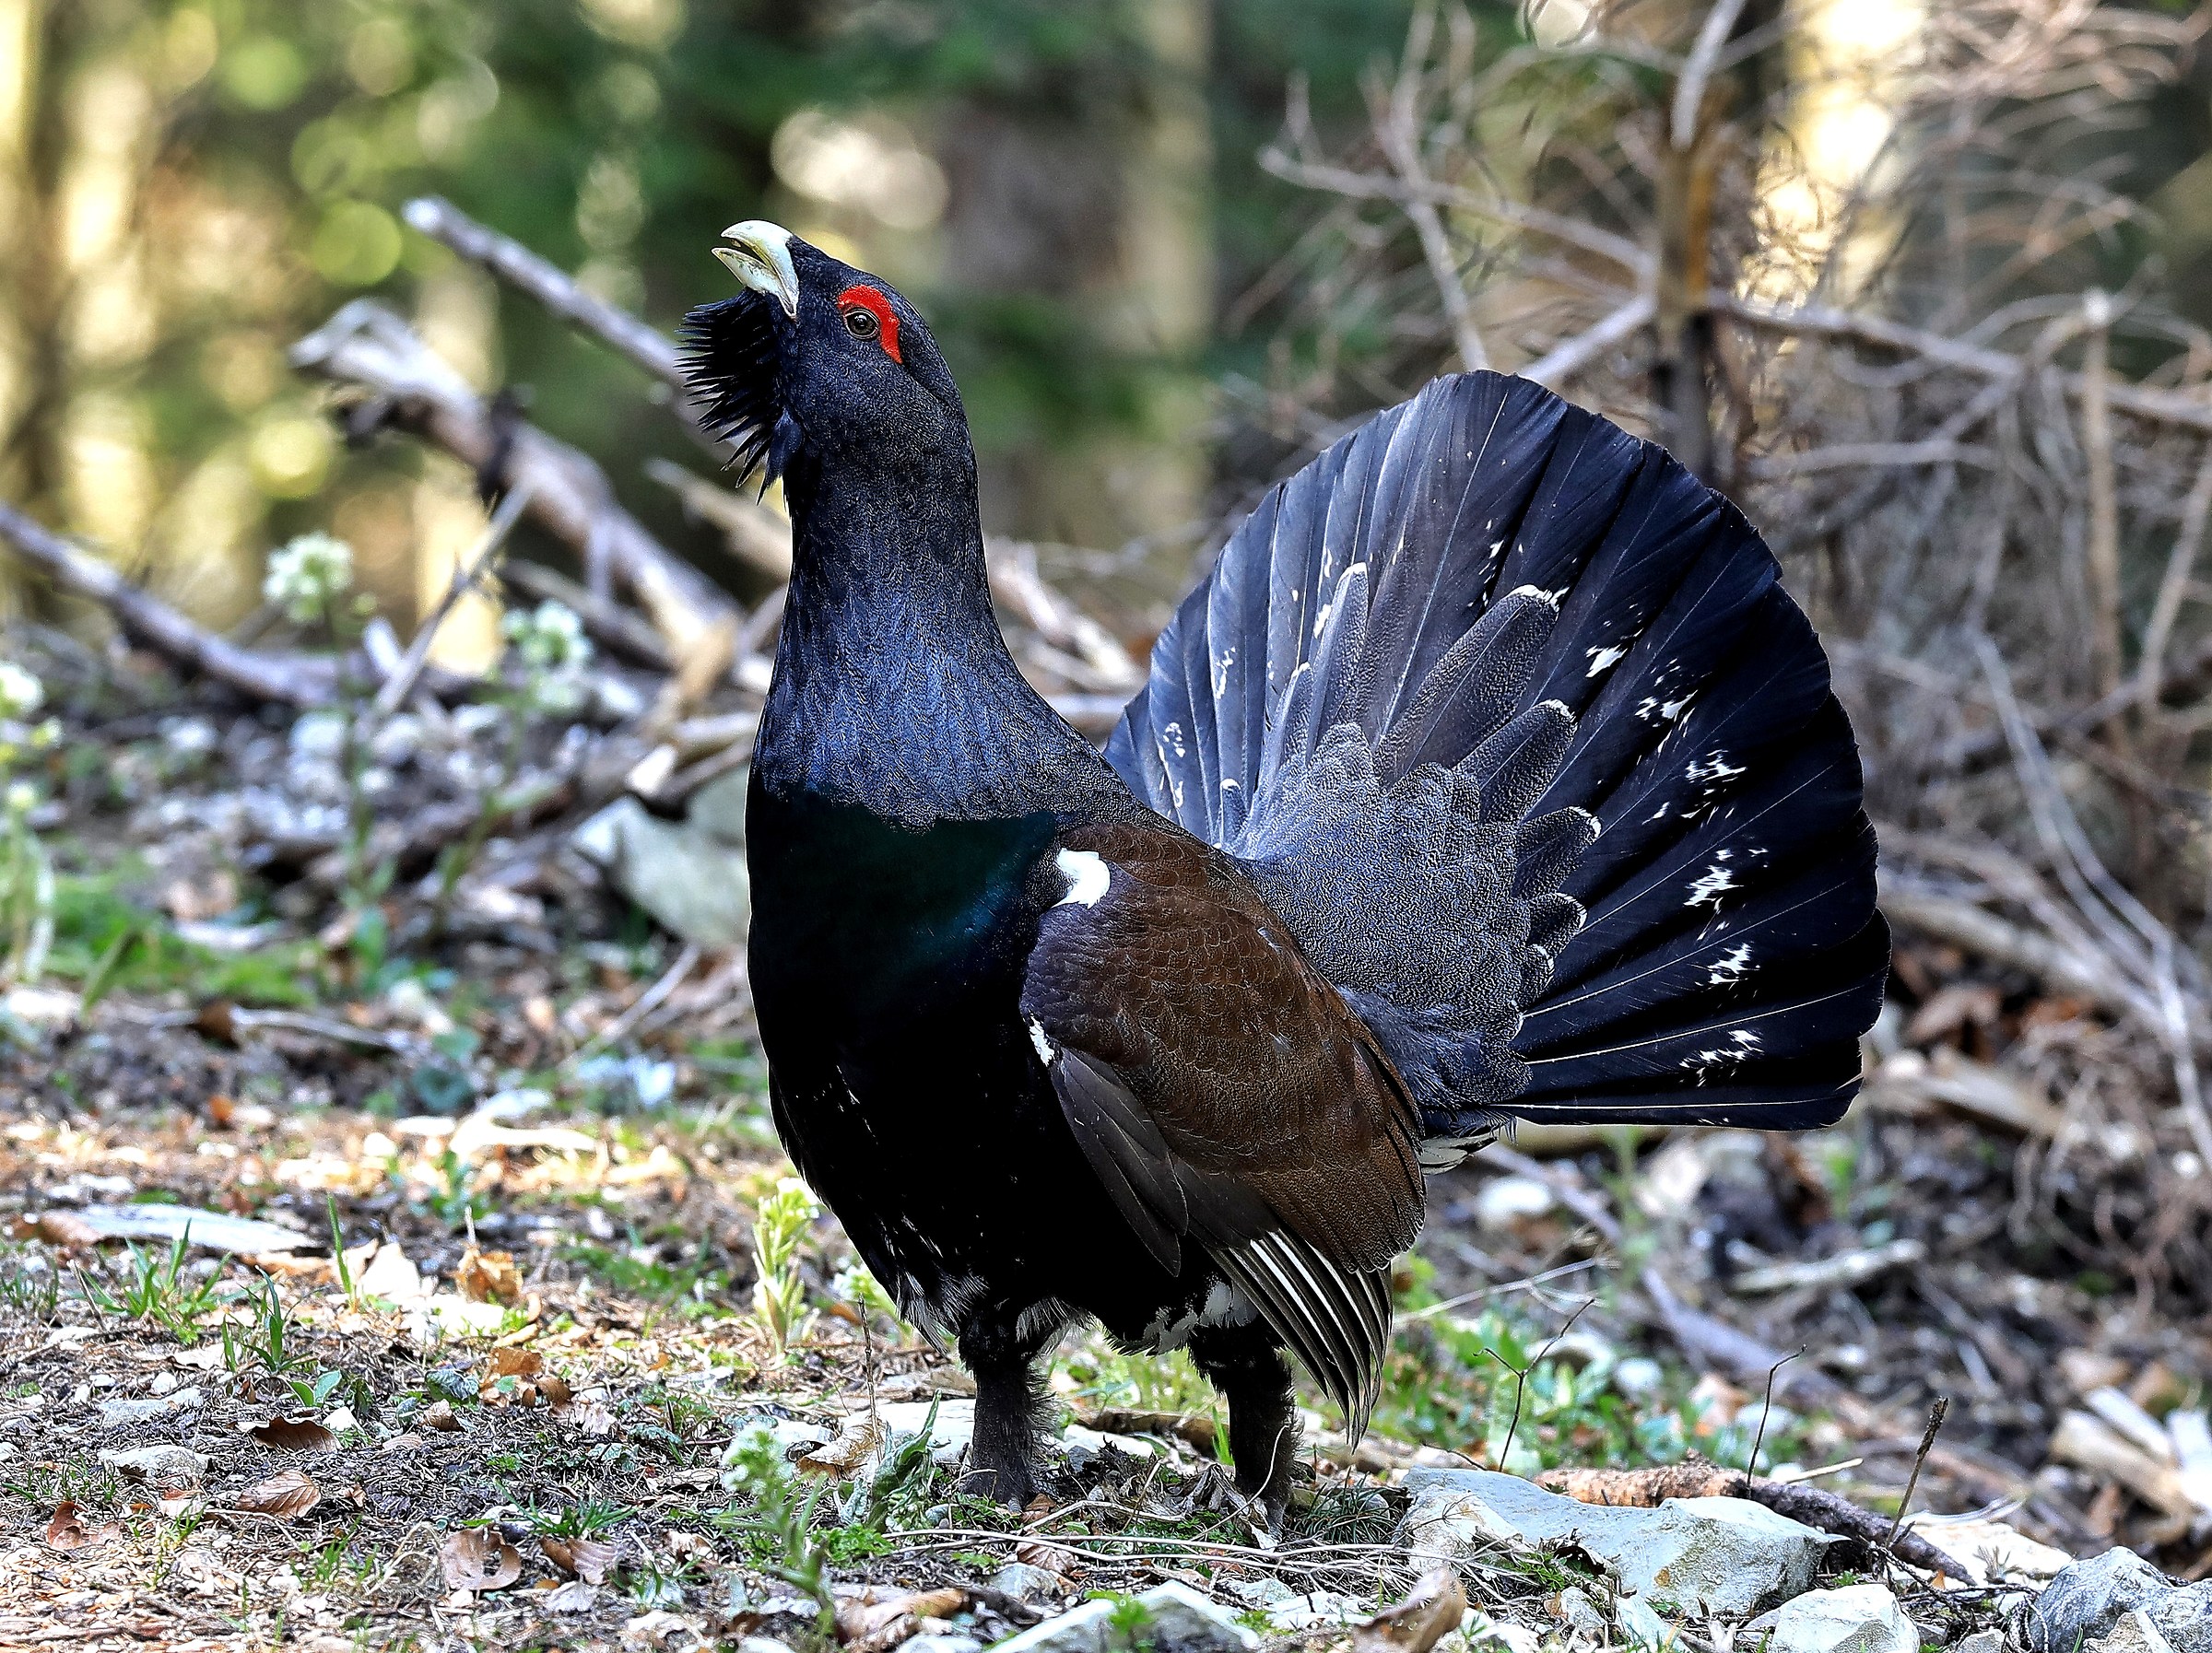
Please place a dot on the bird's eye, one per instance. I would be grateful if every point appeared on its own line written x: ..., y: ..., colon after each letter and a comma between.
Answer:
x: 867, y: 314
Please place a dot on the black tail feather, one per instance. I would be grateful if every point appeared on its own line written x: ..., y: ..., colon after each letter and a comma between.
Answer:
x: 1510, y: 718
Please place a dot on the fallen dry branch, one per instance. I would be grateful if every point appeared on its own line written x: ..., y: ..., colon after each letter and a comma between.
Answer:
x: 296, y: 681
x: 399, y: 381
x: 1695, y: 1478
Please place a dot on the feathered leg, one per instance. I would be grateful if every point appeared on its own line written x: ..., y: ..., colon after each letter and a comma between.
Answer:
x: 1247, y: 1365
x: 1001, y: 1351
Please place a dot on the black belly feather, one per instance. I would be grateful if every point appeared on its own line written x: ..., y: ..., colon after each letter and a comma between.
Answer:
x: 886, y: 968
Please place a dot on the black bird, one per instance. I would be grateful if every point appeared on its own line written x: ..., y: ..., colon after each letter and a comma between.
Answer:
x: 1489, y: 774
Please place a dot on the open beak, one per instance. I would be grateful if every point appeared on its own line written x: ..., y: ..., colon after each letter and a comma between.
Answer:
x: 760, y: 258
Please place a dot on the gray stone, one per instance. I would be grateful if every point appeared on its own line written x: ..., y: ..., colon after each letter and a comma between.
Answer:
x: 2089, y: 1603
x: 1019, y: 1579
x: 941, y: 1643
x: 1981, y: 1641
x: 1859, y: 1618
x: 214, y: 1229
x: 690, y: 876
x: 949, y: 1435
x: 164, y: 1466
x: 126, y: 1414
x: 1178, y: 1620
x: 1687, y: 1559
x: 1691, y: 1557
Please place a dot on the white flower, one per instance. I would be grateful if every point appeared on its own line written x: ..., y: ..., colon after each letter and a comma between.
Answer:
x: 21, y: 798
x: 307, y: 576
x: 549, y: 638
x: 20, y: 692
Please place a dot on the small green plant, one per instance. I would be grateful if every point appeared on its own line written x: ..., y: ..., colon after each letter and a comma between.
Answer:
x: 157, y: 1290
x: 581, y: 1520
x: 541, y: 673
x: 1129, y: 1624
x: 29, y: 1287
x: 779, y: 1293
x: 779, y: 1527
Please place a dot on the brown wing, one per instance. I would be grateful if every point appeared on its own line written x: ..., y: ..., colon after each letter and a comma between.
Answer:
x: 1222, y: 1090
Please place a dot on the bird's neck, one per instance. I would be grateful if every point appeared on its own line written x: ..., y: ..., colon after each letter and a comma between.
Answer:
x: 893, y: 687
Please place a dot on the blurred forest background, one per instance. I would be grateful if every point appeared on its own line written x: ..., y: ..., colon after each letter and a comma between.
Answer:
x: 1072, y: 193
x: 1924, y: 285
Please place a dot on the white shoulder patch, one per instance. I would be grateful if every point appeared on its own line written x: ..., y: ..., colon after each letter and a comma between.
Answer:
x: 1089, y: 877
x: 1045, y: 1052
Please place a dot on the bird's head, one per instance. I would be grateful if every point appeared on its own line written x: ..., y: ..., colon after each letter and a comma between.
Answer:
x: 817, y: 360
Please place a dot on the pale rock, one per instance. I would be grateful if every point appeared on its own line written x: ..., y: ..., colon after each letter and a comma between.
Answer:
x: 1708, y: 1557
x: 126, y: 1414
x: 164, y: 1466
x: 1996, y: 1552
x: 2086, y: 1607
x: 1858, y: 1618
x: 1026, y: 1583
x: 929, y: 1643
x: 948, y: 1437
x: 691, y: 878
x: 1505, y: 1201
x: 1178, y: 1620
x: 1981, y: 1641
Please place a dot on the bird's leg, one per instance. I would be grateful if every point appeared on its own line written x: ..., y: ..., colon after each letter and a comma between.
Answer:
x: 1246, y: 1365
x: 1009, y: 1404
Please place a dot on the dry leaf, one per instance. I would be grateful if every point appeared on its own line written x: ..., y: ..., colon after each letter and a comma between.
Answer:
x: 1051, y: 1557
x: 590, y: 1415
x: 64, y: 1228
x: 1432, y: 1611
x: 518, y: 1376
x: 288, y: 1495
x: 67, y: 1530
x: 852, y: 1448
x: 439, y: 1414
x: 590, y: 1559
x: 476, y: 1558
x: 576, y: 1595
x: 867, y: 1626
x: 487, y: 1277
x: 294, y: 1434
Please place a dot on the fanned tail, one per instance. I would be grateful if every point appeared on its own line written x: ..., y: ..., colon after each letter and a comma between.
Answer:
x: 1511, y: 720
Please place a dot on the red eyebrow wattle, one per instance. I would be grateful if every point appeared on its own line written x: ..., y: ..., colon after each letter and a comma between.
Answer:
x: 862, y: 296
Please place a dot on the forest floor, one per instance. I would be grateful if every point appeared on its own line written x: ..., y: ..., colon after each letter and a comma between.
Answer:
x: 527, y: 1277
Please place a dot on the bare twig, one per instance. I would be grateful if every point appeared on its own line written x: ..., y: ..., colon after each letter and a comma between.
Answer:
x: 1696, y: 70
x: 521, y: 268
x: 642, y: 1006
x: 371, y: 351
x: 1936, y: 1413
x: 1564, y: 360
x: 2102, y: 545
x: 468, y: 572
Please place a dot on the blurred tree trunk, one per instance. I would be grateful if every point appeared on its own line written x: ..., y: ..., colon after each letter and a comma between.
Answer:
x: 1107, y: 214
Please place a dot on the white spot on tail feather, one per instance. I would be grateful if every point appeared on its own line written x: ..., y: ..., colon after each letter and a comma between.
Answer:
x: 1710, y: 885
x: 1715, y: 766
x: 1604, y: 659
x: 1731, y: 966
x: 1089, y: 877
x: 1743, y: 1044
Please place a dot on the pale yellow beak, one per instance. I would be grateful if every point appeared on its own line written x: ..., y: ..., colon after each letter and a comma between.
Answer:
x: 760, y: 259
